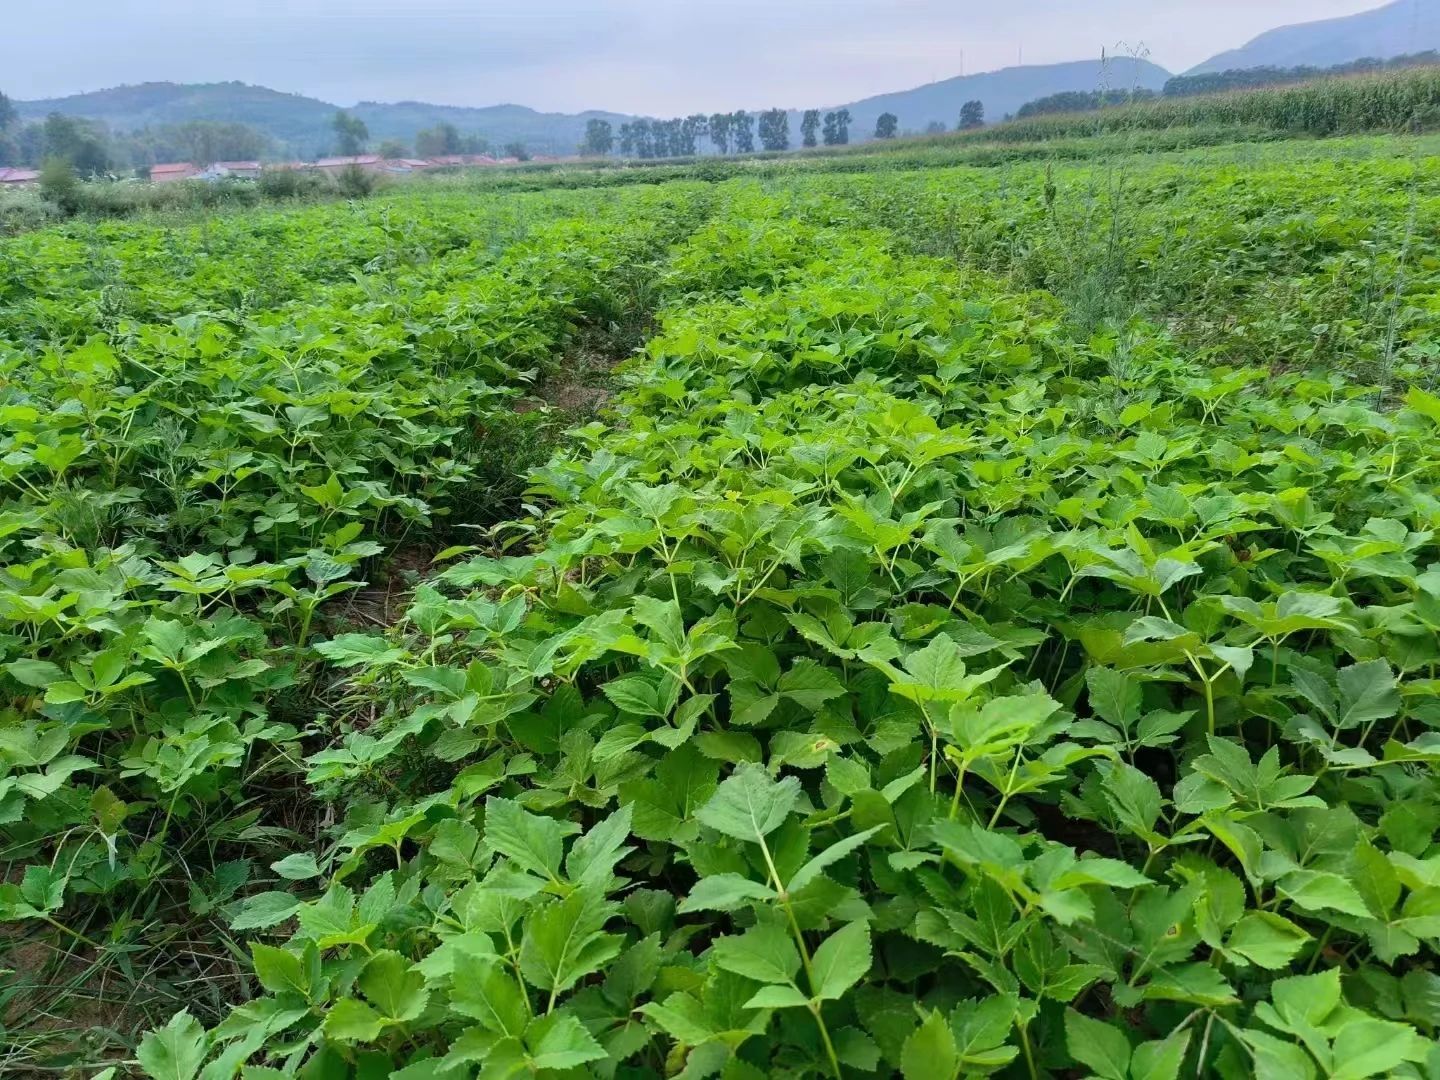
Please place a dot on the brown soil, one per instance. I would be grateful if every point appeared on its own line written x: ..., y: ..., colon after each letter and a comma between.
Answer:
x: 381, y: 603
x: 581, y: 388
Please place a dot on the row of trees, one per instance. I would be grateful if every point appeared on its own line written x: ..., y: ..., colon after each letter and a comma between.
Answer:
x: 352, y: 137
x: 735, y: 133
x: 724, y: 133
x: 1215, y: 82
x: 972, y: 116
x: 1074, y: 101
x: 91, y: 150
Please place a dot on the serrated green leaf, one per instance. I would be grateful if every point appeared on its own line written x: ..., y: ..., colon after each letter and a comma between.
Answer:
x: 174, y: 1052
x: 764, y: 953
x: 724, y: 892
x: 930, y: 1053
x: 1103, y: 1048
x: 841, y: 961
x: 750, y: 805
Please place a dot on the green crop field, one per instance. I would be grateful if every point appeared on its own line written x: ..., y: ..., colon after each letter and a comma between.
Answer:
x: 862, y: 617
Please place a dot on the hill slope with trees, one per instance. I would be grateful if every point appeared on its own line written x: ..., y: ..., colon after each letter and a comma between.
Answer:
x: 302, y: 126
x: 1405, y: 26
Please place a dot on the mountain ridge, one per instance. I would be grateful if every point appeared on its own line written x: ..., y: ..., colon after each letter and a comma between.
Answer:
x: 1003, y: 91
x: 1394, y: 29
x: 301, y: 124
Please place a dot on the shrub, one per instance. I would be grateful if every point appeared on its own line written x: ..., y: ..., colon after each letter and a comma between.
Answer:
x: 59, y: 185
x: 355, y: 183
x: 278, y: 184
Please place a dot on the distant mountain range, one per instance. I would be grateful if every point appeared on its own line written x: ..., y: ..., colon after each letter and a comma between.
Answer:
x: 1002, y: 92
x: 1405, y: 26
x: 300, y: 125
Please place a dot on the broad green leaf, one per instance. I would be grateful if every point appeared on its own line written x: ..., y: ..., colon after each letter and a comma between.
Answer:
x: 1161, y: 1059
x: 930, y: 1052
x: 724, y: 892
x: 279, y: 970
x: 1367, y: 693
x: 351, y: 1020
x: 352, y: 650
x: 593, y: 857
x: 34, y: 673
x: 297, y: 867
x: 491, y: 995
x: 391, y: 984
x: 833, y: 854
x: 174, y: 1052
x: 777, y: 997
x: 750, y: 805
x: 1369, y: 1047
x: 1115, y: 696
x: 533, y: 842
x: 764, y: 953
x: 841, y: 961
x: 265, y: 910
x: 458, y: 843
x: 564, y: 942
x: 1317, y: 890
x: 560, y: 1041
x: 1266, y: 939
x: 1098, y: 1045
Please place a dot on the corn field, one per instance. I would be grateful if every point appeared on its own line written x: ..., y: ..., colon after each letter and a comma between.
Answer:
x: 1388, y: 102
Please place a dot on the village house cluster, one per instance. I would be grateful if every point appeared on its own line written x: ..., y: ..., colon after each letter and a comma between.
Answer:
x: 171, y: 172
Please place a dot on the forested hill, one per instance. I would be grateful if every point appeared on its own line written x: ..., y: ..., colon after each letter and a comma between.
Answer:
x: 1002, y: 92
x: 301, y: 126
x: 1405, y: 26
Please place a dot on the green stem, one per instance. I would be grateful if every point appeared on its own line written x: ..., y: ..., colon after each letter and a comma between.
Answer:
x: 73, y: 933
x: 804, y: 957
x: 1029, y: 1053
x: 1320, y: 949
x: 1209, y: 691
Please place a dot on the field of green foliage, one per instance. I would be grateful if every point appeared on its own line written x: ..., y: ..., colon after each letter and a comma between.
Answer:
x: 924, y: 623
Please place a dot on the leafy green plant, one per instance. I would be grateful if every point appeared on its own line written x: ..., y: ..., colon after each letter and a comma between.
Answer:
x: 894, y: 680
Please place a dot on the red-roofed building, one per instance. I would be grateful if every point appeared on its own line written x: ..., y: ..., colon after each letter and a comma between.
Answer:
x: 171, y: 172
x: 243, y: 170
x: 405, y: 165
x: 367, y: 162
x: 13, y: 178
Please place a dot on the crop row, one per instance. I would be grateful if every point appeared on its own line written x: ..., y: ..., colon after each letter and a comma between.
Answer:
x: 195, y: 486
x: 1396, y: 101
x: 898, y: 685
x: 911, y: 673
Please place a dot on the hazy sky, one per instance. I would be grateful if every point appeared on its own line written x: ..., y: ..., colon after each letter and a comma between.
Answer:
x: 644, y: 56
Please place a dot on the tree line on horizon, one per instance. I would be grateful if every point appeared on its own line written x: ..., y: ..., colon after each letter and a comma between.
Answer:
x: 1217, y: 82
x: 91, y: 149
x: 725, y: 133
x: 736, y: 132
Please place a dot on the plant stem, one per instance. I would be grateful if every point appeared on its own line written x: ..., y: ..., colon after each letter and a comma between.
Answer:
x: 804, y: 956
x: 1029, y: 1053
